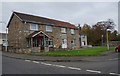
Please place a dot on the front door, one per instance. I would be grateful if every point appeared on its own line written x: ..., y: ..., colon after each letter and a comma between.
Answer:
x: 41, y: 44
x: 64, y: 43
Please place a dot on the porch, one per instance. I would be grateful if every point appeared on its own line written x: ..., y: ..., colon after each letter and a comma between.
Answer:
x: 38, y: 41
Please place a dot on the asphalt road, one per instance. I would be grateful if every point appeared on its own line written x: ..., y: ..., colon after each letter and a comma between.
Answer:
x: 17, y: 66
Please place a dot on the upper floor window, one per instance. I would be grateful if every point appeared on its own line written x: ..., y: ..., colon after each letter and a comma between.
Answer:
x: 72, y: 31
x: 63, y: 30
x: 49, y: 28
x: 33, y: 27
x: 83, y: 36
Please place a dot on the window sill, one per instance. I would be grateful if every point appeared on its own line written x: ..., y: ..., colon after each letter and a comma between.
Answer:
x: 33, y: 30
x: 63, y: 32
x: 49, y: 31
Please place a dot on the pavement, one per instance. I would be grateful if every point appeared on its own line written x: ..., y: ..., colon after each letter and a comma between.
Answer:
x: 109, y: 55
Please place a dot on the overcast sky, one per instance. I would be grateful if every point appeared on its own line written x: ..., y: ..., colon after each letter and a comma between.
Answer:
x: 73, y: 12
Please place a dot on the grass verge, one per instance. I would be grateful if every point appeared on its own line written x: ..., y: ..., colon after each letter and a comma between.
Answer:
x: 83, y: 52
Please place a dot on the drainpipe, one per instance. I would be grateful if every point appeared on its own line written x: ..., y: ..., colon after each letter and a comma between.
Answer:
x: 44, y: 42
x: 31, y: 45
x: 6, y: 40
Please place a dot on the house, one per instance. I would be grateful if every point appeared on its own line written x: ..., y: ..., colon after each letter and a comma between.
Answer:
x: 83, y: 39
x: 39, y: 34
x: 3, y: 39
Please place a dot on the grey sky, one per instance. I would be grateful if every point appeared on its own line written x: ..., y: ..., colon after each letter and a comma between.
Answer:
x: 73, y: 12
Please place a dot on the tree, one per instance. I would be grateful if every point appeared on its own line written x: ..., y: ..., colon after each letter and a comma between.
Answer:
x: 87, y: 30
x: 94, y: 33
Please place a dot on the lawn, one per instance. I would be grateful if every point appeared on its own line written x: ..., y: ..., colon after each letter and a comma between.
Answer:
x: 85, y: 51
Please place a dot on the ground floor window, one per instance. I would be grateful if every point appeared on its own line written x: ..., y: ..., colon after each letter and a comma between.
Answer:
x: 73, y: 42
x: 64, y: 43
x: 50, y: 42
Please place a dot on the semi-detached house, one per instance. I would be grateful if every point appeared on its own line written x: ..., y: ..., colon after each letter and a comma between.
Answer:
x: 41, y: 34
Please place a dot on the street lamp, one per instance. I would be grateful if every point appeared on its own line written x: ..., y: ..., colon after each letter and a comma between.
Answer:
x: 107, y: 39
x: 102, y: 40
x: 6, y: 36
x: 102, y: 37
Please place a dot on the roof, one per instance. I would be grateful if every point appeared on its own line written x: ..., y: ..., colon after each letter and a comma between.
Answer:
x: 36, y: 33
x: 37, y: 19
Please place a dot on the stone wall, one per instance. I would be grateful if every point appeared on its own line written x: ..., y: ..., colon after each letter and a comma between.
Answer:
x: 56, y: 35
x: 14, y: 32
x: 23, y: 50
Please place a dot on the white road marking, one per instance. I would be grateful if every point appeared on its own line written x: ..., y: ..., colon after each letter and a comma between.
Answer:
x: 74, y: 68
x: 59, y: 66
x: 27, y: 60
x: 45, y: 63
x: 35, y: 62
x: 53, y: 65
x: 114, y: 59
x: 114, y: 74
x: 93, y: 71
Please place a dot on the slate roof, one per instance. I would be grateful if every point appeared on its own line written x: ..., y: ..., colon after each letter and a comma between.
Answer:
x: 42, y: 20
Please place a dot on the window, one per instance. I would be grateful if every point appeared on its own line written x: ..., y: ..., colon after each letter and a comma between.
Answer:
x: 83, y: 36
x: 50, y: 42
x: 73, y: 42
x: 72, y: 31
x: 63, y: 41
x: 63, y: 30
x: 49, y: 28
x: 33, y: 27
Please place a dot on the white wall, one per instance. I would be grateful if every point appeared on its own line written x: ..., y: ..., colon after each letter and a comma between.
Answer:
x: 83, y: 40
x: 1, y: 41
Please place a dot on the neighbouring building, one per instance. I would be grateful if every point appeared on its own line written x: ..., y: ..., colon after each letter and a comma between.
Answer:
x: 39, y: 34
x: 3, y: 40
x: 83, y: 39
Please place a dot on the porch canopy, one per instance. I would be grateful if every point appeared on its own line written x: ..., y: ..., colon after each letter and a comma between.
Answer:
x: 37, y: 39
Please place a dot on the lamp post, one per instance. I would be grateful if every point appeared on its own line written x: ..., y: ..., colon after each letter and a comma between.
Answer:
x: 107, y: 39
x: 102, y: 37
x: 102, y: 40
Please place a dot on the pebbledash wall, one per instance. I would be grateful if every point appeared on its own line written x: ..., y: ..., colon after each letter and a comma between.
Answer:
x: 18, y: 31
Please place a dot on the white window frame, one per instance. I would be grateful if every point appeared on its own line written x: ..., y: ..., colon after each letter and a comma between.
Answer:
x: 51, y: 42
x: 36, y: 26
x: 49, y: 28
x: 72, y: 31
x: 63, y: 30
x: 83, y: 37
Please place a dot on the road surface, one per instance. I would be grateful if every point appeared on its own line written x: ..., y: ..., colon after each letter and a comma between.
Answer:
x: 17, y: 66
